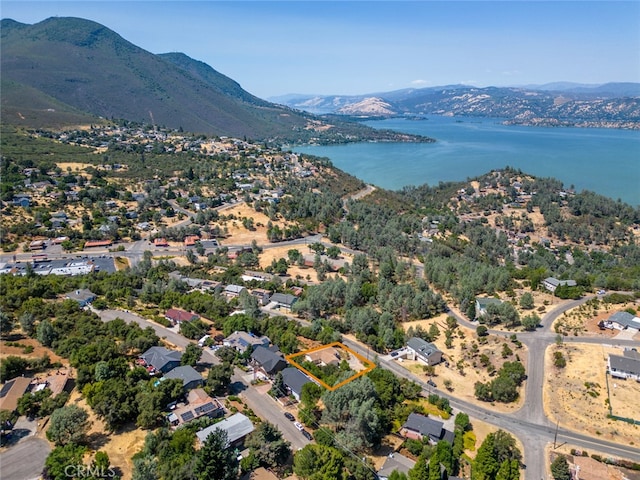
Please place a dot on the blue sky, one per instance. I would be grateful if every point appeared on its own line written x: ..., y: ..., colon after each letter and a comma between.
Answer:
x: 340, y: 47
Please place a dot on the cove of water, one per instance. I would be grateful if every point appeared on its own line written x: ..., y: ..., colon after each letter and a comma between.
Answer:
x: 605, y: 161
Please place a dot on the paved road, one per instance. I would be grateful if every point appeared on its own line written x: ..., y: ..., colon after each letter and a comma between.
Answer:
x: 261, y: 403
x: 25, y: 460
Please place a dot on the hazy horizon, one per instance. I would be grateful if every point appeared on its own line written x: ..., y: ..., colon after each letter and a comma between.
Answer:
x: 359, y: 47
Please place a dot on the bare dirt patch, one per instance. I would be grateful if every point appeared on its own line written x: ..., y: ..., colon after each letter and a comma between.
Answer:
x: 237, y: 233
x: 575, y: 396
x: 38, y: 350
x: 583, y: 320
x: 119, y: 446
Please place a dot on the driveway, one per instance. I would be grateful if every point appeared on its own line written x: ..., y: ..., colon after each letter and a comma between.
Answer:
x: 25, y: 456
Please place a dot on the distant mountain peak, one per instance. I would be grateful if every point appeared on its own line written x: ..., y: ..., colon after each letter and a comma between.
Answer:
x: 369, y: 106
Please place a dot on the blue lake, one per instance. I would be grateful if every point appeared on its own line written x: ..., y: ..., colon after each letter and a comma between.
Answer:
x: 605, y: 161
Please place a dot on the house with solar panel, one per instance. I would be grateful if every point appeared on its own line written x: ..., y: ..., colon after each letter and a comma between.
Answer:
x: 198, y: 405
x: 241, y: 341
x: 190, y: 377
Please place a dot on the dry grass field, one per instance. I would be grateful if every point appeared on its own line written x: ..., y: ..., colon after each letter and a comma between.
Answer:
x: 120, y: 446
x: 576, y: 396
x: 463, y: 379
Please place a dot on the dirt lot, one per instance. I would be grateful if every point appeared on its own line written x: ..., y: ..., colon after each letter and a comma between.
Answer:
x: 120, y: 447
x: 583, y: 320
x: 38, y: 350
x: 575, y: 396
x: 236, y: 231
x: 462, y: 382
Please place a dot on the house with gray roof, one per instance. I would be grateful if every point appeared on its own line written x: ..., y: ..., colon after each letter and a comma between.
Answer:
x: 424, y: 351
x: 624, y: 320
x: 233, y: 291
x: 161, y: 359
x: 189, y: 376
x: 395, y: 463
x: 268, y: 360
x: 83, y: 297
x: 236, y: 426
x: 294, y: 380
x: 283, y: 300
x: 243, y: 340
x: 551, y: 283
x: 625, y: 366
x: 419, y: 426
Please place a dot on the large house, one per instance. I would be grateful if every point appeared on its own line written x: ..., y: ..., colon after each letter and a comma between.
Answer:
x: 551, y: 283
x: 12, y: 391
x: 243, y: 340
x: 294, y: 380
x: 199, y: 404
x: 424, y: 351
x: 622, y: 321
x: 419, y: 426
x: 267, y: 360
x: 283, y: 300
x: 324, y: 357
x: 237, y: 427
x: 177, y: 316
x: 189, y: 376
x: 233, y: 291
x: 161, y: 359
x: 83, y: 297
x: 626, y: 365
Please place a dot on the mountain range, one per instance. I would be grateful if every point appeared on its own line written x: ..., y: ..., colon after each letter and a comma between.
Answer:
x: 71, y: 71
x: 610, y: 105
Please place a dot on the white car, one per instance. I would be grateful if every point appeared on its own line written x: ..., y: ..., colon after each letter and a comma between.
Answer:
x: 299, y: 426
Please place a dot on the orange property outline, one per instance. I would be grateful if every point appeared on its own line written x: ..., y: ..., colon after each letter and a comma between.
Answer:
x: 369, y: 365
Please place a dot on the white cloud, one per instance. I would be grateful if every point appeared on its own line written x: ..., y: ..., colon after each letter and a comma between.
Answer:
x: 419, y: 82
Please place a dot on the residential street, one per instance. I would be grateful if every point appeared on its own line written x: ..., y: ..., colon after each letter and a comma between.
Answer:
x: 261, y: 403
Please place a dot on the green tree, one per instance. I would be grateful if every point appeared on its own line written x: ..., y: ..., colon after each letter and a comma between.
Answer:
x: 12, y: 366
x: 215, y: 460
x: 45, y: 333
x: 27, y: 323
x: 191, y: 355
x: 68, y: 425
x: 55, y: 466
x: 526, y: 301
x: 531, y: 322
x: 6, y: 324
x: 219, y: 378
x: 268, y: 446
x: 420, y: 470
x: 560, y: 468
x: 318, y: 462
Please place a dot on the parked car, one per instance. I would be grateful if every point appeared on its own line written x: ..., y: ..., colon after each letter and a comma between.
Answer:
x: 307, y: 435
x: 299, y: 426
x: 432, y: 383
x: 289, y: 416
